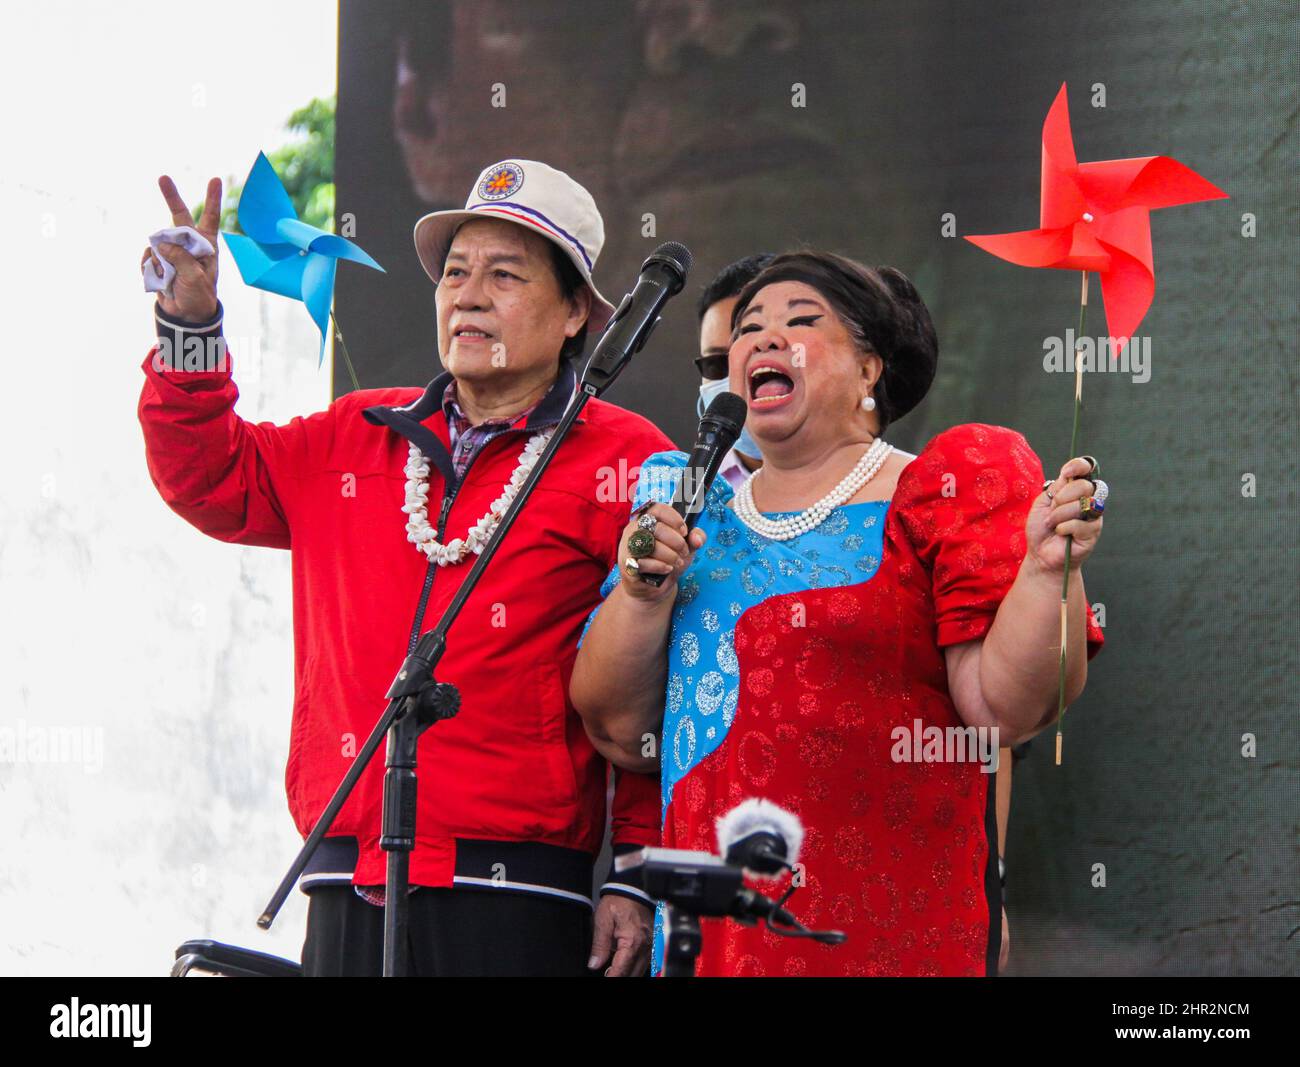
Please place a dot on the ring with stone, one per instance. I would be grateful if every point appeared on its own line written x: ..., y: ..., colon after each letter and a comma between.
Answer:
x: 632, y: 566
x: 641, y: 543
x: 1101, y: 493
x: 1090, y: 508
x: 647, y: 522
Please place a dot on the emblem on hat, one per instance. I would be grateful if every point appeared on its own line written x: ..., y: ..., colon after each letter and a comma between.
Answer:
x: 501, y: 181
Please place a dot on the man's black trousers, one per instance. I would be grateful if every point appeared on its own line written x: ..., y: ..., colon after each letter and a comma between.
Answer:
x: 452, y: 933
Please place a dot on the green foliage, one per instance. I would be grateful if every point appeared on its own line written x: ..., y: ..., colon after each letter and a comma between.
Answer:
x: 306, y: 166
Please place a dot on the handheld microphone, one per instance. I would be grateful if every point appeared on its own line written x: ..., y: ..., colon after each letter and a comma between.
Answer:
x: 760, y: 837
x: 718, y: 431
x: 662, y: 275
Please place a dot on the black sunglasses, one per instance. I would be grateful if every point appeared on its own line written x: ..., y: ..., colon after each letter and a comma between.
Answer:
x: 712, y: 368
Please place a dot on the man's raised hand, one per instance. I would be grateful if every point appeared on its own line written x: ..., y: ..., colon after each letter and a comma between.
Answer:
x: 194, y: 290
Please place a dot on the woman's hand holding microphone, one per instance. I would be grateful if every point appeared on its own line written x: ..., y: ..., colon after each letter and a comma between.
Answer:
x: 656, y: 541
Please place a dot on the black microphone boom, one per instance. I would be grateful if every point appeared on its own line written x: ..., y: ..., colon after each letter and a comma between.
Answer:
x: 718, y: 431
x: 662, y: 275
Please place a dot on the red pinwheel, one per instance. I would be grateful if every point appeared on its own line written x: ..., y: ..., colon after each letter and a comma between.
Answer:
x: 1095, y: 217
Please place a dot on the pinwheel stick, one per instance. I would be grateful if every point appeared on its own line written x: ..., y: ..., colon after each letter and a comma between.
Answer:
x: 338, y: 336
x: 1069, y: 541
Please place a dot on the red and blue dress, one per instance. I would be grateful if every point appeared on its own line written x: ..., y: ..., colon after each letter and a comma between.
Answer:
x: 793, y: 667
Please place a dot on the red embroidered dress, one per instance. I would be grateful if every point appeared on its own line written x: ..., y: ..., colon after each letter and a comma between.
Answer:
x: 796, y: 666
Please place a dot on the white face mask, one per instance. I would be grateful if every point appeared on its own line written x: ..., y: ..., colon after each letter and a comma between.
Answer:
x: 709, y: 390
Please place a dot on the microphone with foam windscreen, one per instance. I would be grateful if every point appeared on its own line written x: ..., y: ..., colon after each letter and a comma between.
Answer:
x: 755, y: 838
x: 760, y: 837
x: 718, y: 431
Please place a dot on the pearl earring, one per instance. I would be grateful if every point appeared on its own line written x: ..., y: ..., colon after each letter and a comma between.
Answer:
x: 868, y: 403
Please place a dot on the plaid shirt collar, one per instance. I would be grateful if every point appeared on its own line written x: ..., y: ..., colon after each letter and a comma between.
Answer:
x: 458, y: 423
x: 467, y: 440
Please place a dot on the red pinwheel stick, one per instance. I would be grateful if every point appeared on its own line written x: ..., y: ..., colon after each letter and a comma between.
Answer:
x: 1069, y: 540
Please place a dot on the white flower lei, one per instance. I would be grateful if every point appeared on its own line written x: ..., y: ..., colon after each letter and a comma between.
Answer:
x: 425, y: 537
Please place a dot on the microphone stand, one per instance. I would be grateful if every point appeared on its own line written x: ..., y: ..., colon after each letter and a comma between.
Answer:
x: 693, y: 884
x: 683, y: 941
x: 416, y: 702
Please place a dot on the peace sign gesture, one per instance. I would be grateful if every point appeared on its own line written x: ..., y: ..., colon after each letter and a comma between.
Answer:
x: 194, y: 291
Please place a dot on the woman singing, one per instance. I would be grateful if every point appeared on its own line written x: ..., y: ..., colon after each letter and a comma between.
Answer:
x: 823, y: 620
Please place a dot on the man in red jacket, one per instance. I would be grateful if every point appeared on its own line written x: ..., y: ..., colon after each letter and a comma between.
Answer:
x: 383, y: 499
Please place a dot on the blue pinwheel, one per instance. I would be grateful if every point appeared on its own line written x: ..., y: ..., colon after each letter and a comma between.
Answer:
x: 282, y: 254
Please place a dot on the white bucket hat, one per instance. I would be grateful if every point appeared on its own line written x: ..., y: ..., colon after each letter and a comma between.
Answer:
x: 531, y: 194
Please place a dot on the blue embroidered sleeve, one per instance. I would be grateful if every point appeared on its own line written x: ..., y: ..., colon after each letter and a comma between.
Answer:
x: 658, y: 480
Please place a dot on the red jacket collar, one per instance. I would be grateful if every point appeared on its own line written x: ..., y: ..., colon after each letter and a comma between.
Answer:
x: 408, y: 420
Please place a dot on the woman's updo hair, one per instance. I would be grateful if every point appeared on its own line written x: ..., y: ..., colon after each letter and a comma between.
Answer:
x: 883, y: 313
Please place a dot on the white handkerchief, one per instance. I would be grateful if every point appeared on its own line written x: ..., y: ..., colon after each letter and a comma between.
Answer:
x: 188, y: 238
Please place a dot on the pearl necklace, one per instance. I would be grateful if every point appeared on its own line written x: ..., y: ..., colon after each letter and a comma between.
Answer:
x: 425, y: 538
x: 789, y: 528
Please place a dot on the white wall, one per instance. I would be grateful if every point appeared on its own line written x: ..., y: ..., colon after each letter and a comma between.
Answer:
x: 121, y: 625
